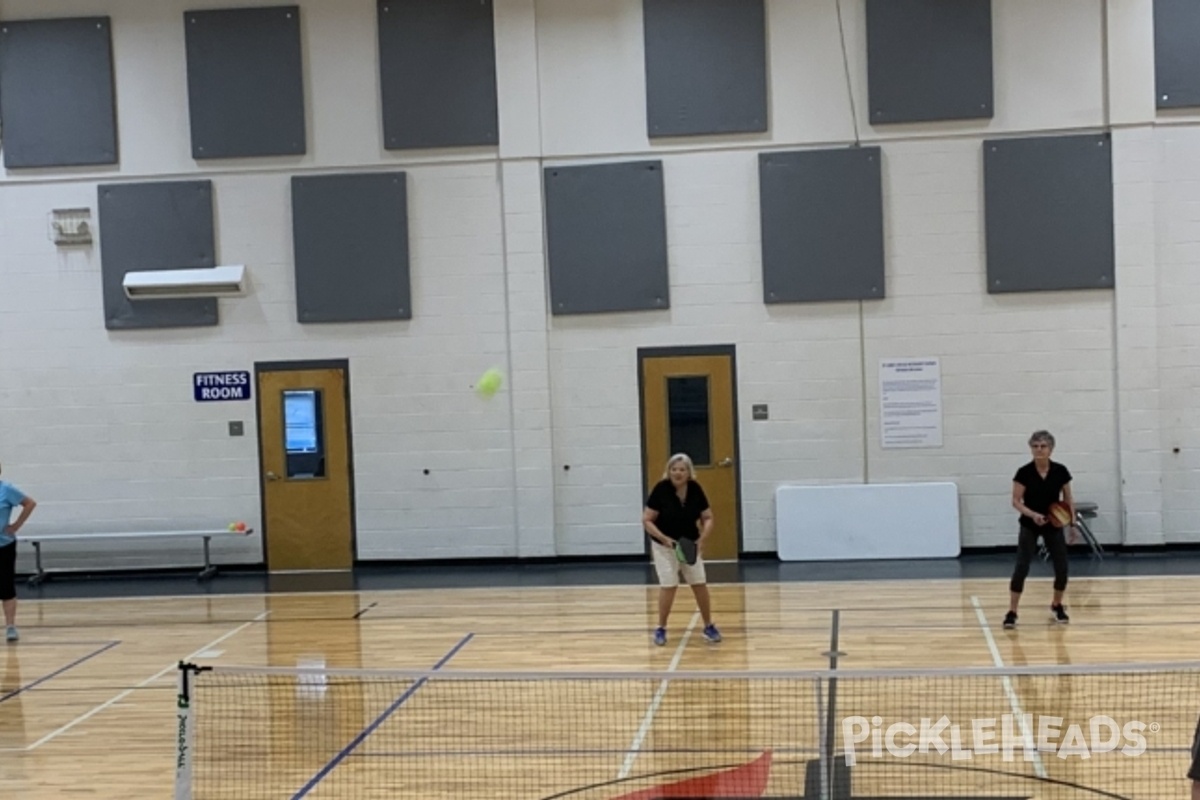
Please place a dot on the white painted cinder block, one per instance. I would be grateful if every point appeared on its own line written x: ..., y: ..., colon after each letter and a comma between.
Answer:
x: 101, y: 428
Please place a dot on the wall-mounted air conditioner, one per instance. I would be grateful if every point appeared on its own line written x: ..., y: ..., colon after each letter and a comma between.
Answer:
x: 174, y: 284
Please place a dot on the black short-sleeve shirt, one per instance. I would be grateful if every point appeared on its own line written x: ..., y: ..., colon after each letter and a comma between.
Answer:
x: 677, y: 519
x: 1194, y: 772
x: 1041, y: 492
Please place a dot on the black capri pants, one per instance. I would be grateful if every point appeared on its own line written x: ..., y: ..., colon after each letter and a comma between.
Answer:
x: 8, y: 572
x: 1056, y: 543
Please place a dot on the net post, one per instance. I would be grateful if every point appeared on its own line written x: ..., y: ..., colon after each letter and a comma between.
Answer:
x: 185, y: 731
x: 822, y: 784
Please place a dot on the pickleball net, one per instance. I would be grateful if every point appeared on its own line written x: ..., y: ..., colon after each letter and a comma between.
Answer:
x: 1049, y: 732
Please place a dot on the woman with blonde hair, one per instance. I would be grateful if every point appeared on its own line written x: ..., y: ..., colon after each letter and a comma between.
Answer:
x: 676, y: 509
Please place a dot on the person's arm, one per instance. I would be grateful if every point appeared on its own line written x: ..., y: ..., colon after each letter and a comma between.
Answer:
x: 27, y: 506
x: 1195, y: 790
x: 1018, y: 502
x: 706, y: 526
x: 1069, y: 499
x: 649, y: 517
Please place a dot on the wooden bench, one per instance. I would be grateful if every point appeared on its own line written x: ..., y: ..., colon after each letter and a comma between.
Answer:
x: 206, y: 536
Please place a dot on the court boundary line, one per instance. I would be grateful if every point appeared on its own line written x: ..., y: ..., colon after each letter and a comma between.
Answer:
x: 1014, y: 702
x: 517, y: 607
x: 118, y: 698
x: 635, y: 746
x: 624, y: 586
x: 22, y: 689
x: 371, y: 728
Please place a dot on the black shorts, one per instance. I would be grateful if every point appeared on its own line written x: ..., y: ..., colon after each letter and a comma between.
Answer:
x: 8, y: 571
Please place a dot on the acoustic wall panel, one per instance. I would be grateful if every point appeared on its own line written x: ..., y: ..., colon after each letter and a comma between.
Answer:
x: 437, y: 70
x: 245, y: 82
x: 57, y: 98
x: 1177, y: 53
x: 1049, y: 213
x: 822, y: 225
x: 706, y: 67
x: 153, y: 226
x: 350, y: 234
x: 606, y: 238
x: 929, y: 60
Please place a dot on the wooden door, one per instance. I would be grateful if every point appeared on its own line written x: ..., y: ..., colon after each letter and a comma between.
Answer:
x: 688, y: 404
x: 306, y: 472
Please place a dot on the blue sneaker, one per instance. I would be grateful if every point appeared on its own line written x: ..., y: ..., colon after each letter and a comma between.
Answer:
x: 660, y: 636
x: 712, y: 634
x: 10, y: 634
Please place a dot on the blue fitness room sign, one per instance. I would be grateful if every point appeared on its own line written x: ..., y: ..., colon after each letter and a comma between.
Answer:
x: 208, y: 387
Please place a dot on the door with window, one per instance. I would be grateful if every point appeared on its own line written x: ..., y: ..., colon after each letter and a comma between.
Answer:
x: 305, y: 458
x: 689, y: 406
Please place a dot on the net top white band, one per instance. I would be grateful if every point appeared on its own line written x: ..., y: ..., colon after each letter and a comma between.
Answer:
x: 708, y: 675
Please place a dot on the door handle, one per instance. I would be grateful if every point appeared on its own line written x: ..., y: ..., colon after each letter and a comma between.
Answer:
x: 271, y: 476
x: 726, y: 462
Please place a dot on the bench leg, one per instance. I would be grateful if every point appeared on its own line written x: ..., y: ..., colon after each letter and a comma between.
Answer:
x: 209, y: 570
x: 40, y: 575
x: 1097, y: 550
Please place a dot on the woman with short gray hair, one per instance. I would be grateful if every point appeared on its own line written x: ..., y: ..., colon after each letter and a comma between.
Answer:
x: 1036, y: 487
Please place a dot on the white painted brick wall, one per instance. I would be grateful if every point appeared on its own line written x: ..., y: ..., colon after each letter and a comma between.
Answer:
x: 1011, y: 364
x: 1177, y: 217
x: 100, y: 425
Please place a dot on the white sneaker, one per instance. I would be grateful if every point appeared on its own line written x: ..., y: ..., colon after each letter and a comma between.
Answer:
x: 10, y: 634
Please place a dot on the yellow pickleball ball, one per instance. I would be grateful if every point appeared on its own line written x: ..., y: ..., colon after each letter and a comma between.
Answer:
x: 489, y: 383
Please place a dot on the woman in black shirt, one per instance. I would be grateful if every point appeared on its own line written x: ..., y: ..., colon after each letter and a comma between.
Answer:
x: 1037, y: 486
x: 677, y: 508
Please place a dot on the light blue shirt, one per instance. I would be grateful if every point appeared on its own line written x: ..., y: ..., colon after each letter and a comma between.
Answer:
x: 10, y: 498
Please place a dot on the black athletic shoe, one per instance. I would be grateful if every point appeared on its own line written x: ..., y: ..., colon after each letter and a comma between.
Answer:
x: 1059, y: 614
x: 1010, y: 620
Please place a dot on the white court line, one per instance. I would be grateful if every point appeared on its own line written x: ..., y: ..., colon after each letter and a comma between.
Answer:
x: 1038, y: 767
x: 644, y: 728
x: 620, y: 603
x: 590, y: 586
x: 143, y: 684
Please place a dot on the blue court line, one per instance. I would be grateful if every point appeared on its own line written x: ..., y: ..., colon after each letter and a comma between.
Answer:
x: 367, y: 731
x: 57, y: 672
x: 26, y: 645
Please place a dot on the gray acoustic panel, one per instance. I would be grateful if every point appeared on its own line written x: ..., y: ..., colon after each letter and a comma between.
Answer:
x: 822, y: 225
x: 1177, y: 53
x: 1049, y: 213
x: 350, y: 234
x: 56, y: 93
x: 706, y: 67
x: 153, y: 226
x: 606, y: 236
x: 929, y: 60
x: 437, y: 70
x: 245, y: 82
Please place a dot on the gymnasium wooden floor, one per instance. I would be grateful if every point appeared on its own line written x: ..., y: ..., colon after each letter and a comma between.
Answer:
x: 88, y: 697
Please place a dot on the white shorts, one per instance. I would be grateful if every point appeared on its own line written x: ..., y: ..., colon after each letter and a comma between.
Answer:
x: 668, y: 566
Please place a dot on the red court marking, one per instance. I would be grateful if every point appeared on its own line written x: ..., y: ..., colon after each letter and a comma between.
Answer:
x: 748, y: 780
